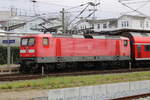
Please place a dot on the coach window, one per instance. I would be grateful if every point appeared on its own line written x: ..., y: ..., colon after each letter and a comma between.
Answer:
x: 45, y: 41
x: 147, y: 47
x: 125, y: 43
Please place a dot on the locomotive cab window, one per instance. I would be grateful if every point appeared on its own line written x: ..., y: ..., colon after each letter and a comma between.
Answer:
x: 27, y: 41
x: 31, y: 41
x: 125, y: 43
x: 45, y: 41
x: 147, y: 47
x: 24, y: 42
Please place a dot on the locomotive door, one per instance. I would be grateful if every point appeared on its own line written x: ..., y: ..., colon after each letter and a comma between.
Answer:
x: 117, y: 48
x: 138, y: 51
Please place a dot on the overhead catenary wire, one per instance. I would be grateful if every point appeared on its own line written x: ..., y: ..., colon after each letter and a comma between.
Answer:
x: 93, y: 12
x: 82, y: 11
x: 137, y: 2
x: 134, y: 1
x: 134, y: 10
x: 78, y: 14
x: 76, y: 6
x: 88, y: 4
x: 143, y: 5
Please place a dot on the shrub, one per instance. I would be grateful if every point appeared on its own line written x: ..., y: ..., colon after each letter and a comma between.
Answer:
x: 14, y: 55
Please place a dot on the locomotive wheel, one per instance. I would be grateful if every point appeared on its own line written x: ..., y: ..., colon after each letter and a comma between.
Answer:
x: 24, y: 69
x: 88, y: 65
x: 51, y: 67
x: 60, y: 66
x: 45, y: 67
x: 72, y: 66
x: 34, y: 68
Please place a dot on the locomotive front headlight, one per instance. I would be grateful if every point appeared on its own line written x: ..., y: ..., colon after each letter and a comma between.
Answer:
x: 31, y: 51
x: 22, y: 51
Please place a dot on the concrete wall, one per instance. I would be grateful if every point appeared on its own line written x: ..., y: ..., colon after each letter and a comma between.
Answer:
x: 101, y: 92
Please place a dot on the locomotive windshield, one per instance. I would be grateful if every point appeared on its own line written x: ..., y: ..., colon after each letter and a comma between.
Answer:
x: 27, y: 41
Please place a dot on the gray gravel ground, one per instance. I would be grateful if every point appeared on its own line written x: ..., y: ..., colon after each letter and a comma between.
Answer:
x: 23, y: 95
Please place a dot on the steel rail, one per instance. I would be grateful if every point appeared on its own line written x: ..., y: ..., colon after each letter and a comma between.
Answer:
x: 18, y: 77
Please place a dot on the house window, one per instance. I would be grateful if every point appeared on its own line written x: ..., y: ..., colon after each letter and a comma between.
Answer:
x: 141, y: 24
x: 104, y: 25
x: 92, y: 26
x: 98, y: 26
x: 125, y: 24
x: 147, y: 24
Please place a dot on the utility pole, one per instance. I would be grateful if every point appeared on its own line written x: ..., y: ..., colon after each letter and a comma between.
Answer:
x: 8, y: 50
x: 11, y: 11
x: 63, y: 21
x: 8, y: 47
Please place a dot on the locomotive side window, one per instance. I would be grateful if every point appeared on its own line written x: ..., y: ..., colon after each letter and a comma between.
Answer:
x: 125, y: 43
x: 147, y: 47
x: 45, y: 41
x: 24, y: 42
x: 31, y: 41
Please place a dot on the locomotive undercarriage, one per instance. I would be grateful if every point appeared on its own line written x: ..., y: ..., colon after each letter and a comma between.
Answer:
x: 26, y: 67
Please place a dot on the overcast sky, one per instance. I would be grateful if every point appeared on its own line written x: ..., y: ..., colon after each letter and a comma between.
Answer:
x: 109, y: 7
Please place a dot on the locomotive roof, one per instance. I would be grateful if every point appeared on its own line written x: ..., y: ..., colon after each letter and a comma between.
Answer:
x: 87, y: 36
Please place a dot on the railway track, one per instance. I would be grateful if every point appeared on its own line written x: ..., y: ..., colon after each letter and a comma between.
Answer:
x: 17, y: 77
x: 134, y: 97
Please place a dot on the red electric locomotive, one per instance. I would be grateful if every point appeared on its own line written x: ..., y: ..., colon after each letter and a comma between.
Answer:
x: 55, y: 51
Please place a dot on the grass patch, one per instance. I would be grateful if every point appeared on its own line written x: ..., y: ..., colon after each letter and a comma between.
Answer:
x: 74, y: 81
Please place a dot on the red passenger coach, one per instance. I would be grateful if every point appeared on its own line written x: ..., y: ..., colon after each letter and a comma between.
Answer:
x: 141, y: 47
x: 56, y: 50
